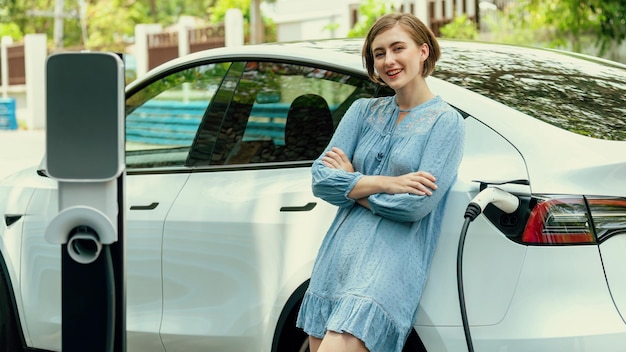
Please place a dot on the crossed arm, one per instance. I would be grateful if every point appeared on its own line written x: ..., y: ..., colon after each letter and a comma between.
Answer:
x: 418, y: 183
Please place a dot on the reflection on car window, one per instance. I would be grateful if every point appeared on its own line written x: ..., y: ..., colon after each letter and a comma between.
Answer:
x: 162, y: 119
x: 284, y: 112
x: 581, y: 96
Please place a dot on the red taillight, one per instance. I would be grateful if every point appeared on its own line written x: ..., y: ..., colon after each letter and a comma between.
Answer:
x: 559, y: 221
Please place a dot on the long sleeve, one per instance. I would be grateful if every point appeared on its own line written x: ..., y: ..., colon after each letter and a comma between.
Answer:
x: 441, y: 157
x: 333, y: 185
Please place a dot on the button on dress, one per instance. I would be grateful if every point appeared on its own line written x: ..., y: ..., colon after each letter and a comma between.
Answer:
x: 373, y: 264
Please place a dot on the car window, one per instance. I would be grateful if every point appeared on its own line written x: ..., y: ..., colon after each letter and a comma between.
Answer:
x: 162, y: 118
x: 280, y: 112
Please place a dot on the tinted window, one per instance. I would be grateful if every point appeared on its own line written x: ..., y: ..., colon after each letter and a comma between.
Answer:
x: 581, y: 96
x: 162, y: 119
x: 279, y: 112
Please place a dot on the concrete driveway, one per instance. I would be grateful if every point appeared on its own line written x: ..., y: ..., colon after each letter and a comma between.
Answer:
x: 20, y: 149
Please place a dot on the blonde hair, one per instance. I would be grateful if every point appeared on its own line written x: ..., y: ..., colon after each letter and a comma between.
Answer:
x: 416, y: 29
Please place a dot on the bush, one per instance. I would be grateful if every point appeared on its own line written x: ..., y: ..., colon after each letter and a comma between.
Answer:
x: 460, y: 28
x: 12, y: 30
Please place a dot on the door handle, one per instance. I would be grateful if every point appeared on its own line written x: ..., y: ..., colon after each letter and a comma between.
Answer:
x: 306, y: 207
x: 11, y: 219
x: 151, y: 206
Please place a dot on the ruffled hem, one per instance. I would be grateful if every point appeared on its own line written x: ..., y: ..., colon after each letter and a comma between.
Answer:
x: 359, y: 316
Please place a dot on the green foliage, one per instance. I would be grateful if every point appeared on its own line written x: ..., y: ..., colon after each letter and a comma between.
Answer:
x: 611, y: 16
x: 16, y: 11
x: 110, y: 25
x: 12, y: 30
x: 218, y: 11
x: 370, y: 11
x: 331, y: 27
x: 460, y: 28
x: 507, y: 26
x: 271, y: 33
x: 572, y: 23
x: 218, y: 14
x: 167, y: 12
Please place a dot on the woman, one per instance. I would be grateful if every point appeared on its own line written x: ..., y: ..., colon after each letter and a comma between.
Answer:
x: 388, y: 168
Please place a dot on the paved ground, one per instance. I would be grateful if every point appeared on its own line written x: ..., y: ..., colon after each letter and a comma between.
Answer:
x: 20, y: 149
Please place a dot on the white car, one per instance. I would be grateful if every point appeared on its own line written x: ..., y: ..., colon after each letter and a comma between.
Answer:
x: 222, y: 227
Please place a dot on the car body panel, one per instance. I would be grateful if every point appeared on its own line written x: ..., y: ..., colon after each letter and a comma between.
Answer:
x: 540, y: 316
x: 612, y: 251
x: 237, y: 226
x: 15, y: 194
x: 572, y: 311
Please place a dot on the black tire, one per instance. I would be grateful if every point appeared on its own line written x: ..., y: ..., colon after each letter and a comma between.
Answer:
x: 289, y: 338
x: 10, y: 340
x: 305, y: 346
x: 293, y: 339
x: 414, y: 343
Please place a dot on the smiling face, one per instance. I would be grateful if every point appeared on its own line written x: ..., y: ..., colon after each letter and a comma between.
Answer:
x: 397, y: 59
x: 411, y: 31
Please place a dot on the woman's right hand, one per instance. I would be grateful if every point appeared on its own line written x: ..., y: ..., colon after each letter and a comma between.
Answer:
x: 419, y: 183
x: 337, y: 159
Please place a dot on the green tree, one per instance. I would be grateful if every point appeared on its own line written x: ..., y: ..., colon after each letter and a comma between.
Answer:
x: 107, y: 20
x: 11, y: 30
x: 16, y: 12
x: 573, y: 22
x: 110, y: 24
x: 369, y: 12
x: 460, y: 28
x: 218, y: 13
x: 167, y: 12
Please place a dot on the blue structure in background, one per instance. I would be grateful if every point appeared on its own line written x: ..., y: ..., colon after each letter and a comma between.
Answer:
x: 7, y: 114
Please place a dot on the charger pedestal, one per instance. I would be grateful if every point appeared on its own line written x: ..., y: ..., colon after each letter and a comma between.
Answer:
x: 85, y: 154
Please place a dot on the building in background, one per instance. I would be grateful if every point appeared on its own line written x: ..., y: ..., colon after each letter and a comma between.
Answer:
x: 325, y: 19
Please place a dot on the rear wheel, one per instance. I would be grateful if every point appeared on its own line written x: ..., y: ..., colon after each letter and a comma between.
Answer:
x: 414, y: 343
x: 293, y: 339
x: 9, y: 333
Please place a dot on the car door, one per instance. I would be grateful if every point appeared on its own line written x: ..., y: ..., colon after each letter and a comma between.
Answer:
x: 162, y: 122
x: 244, y: 231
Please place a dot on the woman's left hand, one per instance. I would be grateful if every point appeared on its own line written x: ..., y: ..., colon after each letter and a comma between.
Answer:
x: 337, y: 159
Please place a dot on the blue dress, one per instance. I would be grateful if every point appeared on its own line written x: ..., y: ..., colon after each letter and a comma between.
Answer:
x: 373, y: 264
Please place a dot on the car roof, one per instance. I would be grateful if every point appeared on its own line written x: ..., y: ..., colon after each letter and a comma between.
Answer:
x: 271, y: 51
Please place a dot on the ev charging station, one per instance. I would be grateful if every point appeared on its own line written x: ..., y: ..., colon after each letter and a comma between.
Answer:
x: 85, y: 140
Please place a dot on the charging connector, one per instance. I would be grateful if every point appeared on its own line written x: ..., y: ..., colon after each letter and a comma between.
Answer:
x: 506, y: 202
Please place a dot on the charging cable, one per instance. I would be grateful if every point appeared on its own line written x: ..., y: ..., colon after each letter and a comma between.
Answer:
x: 506, y: 202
